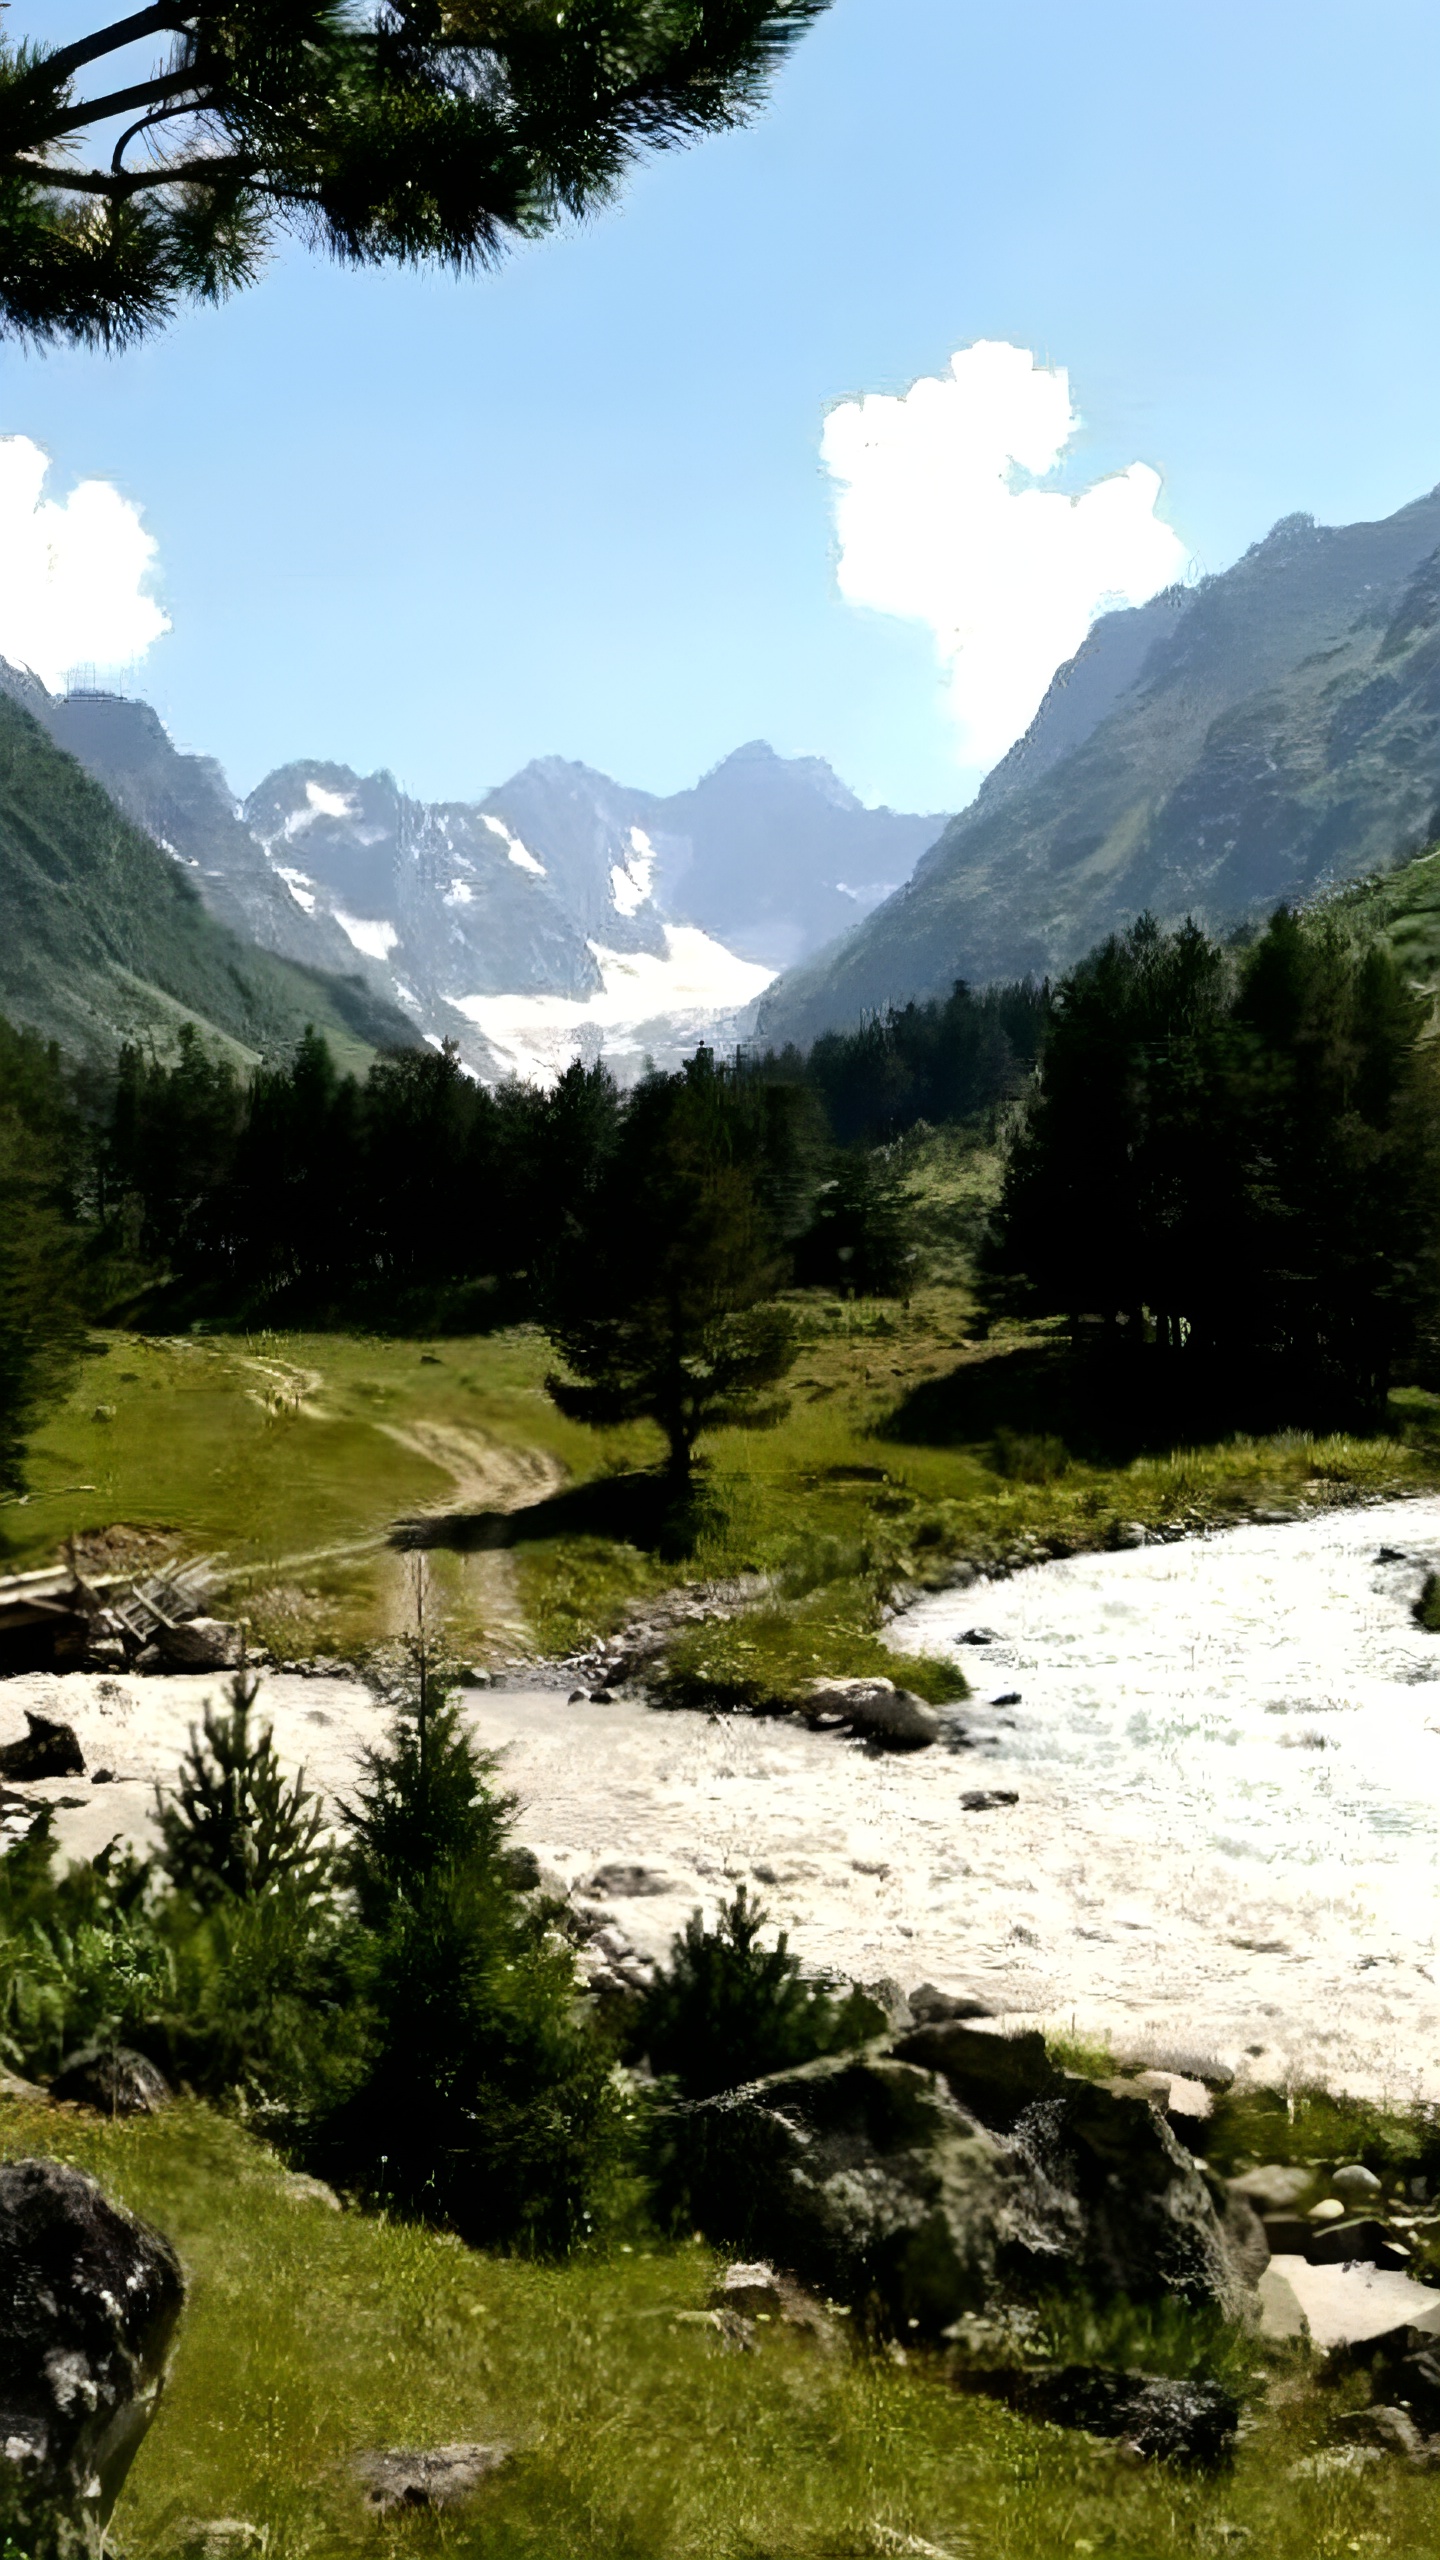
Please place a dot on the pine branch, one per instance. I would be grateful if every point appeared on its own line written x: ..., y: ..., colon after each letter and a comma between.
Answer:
x: 50, y: 69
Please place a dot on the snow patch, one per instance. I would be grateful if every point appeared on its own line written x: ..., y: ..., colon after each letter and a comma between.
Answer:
x: 695, y: 982
x: 459, y: 894
x: 630, y: 881
x: 319, y: 803
x: 373, y: 936
x: 329, y: 804
x: 300, y: 886
x: 869, y: 892
x: 520, y: 854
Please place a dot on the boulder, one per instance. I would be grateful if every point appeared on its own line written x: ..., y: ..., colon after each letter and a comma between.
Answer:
x: 1277, y: 2186
x: 88, y: 2307
x: 113, y: 2080
x: 48, y: 1750
x: 1348, y: 2244
x: 625, y: 1883
x: 930, y: 2007
x: 950, y: 2173
x: 863, y: 2174
x: 1352, y: 2313
x: 1149, y: 2217
x: 748, y: 2287
x: 1406, y: 2370
x: 442, y: 2477
x: 199, y: 1644
x: 996, y: 2077
x: 1160, y: 2419
x: 1357, y: 2186
x: 1150, y: 2222
x: 877, y: 1711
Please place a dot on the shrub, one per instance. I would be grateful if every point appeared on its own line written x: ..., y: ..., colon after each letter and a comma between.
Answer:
x: 728, y: 2010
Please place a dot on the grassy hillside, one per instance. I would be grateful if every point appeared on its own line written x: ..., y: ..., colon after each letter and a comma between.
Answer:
x: 1404, y: 906
x: 313, y: 2336
x: 107, y: 941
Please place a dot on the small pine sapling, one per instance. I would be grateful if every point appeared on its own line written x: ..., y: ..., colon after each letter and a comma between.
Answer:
x: 488, y: 2104
x: 728, y: 2010
x: 233, y: 1825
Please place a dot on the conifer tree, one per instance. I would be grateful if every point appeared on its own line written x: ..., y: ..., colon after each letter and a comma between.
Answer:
x: 232, y: 1825
x: 661, y: 1301
x: 486, y: 2103
x: 424, y: 131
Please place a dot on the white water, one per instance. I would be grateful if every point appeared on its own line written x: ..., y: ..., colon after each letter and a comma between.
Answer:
x: 1227, y: 1759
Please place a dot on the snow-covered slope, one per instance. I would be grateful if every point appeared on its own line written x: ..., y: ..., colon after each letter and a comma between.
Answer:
x: 563, y: 915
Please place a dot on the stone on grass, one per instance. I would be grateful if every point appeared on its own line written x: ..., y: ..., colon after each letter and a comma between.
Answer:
x: 444, y: 2476
x: 113, y: 2080
x: 877, y: 1711
x: 1356, y: 2186
x: 748, y: 2286
x: 1159, y: 2419
x: 223, y: 2538
x: 299, y: 2188
x: 1392, y: 2430
x: 88, y: 2306
x: 12, y: 2086
x: 48, y: 1750
x: 862, y: 2174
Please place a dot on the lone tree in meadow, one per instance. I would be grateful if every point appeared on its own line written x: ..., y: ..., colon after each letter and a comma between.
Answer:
x: 660, y: 1302
x: 153, y: 160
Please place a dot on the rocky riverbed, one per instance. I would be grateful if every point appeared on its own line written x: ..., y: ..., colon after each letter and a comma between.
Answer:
x: 1191, y: 1807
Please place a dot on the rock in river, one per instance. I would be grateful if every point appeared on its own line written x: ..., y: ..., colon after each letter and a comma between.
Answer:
x: 48, y: 1750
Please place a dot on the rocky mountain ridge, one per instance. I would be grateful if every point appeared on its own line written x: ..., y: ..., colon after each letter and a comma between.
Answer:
x: 561, y: 914
x: 1263, y: 736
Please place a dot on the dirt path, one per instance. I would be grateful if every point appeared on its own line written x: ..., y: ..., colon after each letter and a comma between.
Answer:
x: 485, y: 1475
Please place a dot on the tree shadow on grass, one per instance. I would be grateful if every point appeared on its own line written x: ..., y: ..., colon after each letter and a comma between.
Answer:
x: 638, y: 1510
x: 1105, y: 1407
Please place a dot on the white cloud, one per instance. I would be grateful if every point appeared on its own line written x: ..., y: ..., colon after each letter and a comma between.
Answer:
x: 71, y: 574
x: 938, y: 522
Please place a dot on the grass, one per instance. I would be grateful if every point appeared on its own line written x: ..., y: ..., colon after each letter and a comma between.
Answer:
x: 762, y: 1662
x: 312, y: 2336
x: 912, y: 1438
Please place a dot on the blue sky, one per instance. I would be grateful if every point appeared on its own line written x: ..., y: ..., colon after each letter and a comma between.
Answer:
x: 580, y: 507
